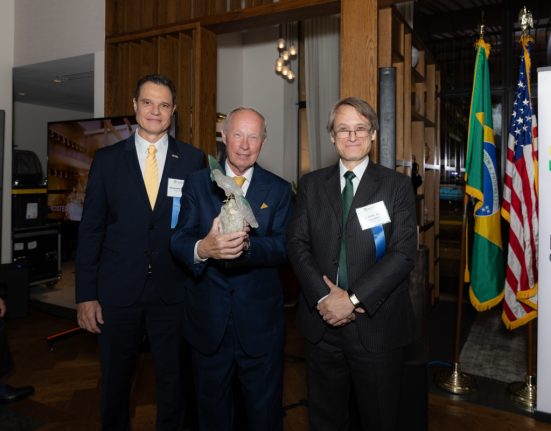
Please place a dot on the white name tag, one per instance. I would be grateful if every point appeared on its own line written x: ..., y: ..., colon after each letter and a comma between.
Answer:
x: 372, y: 215
x: 175, y: 188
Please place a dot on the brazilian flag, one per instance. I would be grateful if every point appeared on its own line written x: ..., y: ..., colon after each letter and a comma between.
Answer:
x: 486, y: 274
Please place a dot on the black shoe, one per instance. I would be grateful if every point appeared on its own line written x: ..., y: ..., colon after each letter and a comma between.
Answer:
x: 14, y: 394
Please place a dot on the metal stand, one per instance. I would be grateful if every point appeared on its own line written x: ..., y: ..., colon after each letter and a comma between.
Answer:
x: 455, y: 381
x: 524, y: 393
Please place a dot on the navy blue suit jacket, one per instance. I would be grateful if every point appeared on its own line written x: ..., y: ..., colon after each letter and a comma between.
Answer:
x: 251, y: 291
x: 121, y: 239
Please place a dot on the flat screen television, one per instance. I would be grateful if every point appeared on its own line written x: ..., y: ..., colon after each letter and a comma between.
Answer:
x: 71, y: 148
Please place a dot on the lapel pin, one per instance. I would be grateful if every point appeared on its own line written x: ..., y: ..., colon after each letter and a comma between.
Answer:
x: 175, y: 156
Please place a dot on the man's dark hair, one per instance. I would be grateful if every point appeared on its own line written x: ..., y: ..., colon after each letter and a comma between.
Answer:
x: 155, y: 79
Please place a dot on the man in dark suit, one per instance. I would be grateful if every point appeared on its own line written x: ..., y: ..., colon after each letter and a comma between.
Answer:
x: 352, y: 243
x: 234, y: 314
x: 127, y: 282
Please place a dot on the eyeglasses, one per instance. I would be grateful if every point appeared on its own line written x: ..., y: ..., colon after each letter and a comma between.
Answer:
x: 360, y: 132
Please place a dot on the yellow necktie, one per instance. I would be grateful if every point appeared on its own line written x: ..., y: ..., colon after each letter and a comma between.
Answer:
x: 151, y: 177
x: 239, y: 180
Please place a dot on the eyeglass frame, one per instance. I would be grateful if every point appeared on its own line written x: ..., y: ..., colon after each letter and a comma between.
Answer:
x: 368, y: 132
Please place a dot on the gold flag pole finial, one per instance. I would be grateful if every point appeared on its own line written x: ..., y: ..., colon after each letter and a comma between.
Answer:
x: 525, y: 20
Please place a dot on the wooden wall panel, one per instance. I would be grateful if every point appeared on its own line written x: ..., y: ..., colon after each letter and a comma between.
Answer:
x: 165, y: 10
x: 185, y: 83
x: 132, y: 20
x: 204, y: 97
x: 148, y: 14
x: 384, y: 39
x: 167, y: 58
x: 431, y: 93
x: 148, y: 55
x: 358, y: 45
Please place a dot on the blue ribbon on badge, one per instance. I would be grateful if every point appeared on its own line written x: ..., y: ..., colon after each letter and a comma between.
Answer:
x: 175, y: 211
x: 380, y: 241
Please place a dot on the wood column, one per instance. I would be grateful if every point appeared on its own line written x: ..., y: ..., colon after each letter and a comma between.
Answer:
x: 359, y: 49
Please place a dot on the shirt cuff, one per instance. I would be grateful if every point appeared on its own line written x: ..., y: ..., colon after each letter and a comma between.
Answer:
x: 196, y: 258
x: 322, y: 298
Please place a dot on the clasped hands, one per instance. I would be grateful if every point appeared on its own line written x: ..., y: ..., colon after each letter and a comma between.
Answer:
x: 217, y: 245
x: 336, y: 308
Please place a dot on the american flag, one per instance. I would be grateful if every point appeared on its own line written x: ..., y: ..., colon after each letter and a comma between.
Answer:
x: 520, y: 203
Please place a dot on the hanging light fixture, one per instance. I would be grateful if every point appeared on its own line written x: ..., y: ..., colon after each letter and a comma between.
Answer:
x: 285, y: 54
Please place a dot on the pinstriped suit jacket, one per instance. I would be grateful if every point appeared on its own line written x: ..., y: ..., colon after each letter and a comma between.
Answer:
x: 313, y: 241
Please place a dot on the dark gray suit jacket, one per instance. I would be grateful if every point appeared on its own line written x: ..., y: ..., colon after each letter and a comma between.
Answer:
x: 313, y: 242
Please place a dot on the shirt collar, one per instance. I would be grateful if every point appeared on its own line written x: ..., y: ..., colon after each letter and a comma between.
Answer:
x: 248, y: 174
x: 358, y: 170
x: 142, y: 144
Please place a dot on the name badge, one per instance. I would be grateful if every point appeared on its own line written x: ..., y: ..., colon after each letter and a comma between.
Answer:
x: 175, y: 188
x: 373, y: 215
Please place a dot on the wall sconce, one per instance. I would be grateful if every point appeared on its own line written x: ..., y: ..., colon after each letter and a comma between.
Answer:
x: 285, y: 54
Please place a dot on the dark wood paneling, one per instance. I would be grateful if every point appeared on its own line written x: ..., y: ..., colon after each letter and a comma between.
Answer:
x: 204, y: 106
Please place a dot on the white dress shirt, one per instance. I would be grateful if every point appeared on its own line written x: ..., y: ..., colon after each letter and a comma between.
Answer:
x: 141, y: 150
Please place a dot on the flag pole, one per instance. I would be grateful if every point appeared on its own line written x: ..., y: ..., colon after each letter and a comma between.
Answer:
x: 524, y: 393
x: 455, y: 381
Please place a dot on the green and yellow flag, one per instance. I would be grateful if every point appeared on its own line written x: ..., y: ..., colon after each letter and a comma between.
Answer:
x: 486, y: 269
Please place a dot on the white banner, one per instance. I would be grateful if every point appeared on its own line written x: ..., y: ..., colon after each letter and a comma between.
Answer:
x: 544, y: 248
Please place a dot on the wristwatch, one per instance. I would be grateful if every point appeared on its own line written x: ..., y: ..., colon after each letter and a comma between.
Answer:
x: 354, y: 299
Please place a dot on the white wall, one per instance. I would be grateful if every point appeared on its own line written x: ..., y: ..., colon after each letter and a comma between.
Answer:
x: 50, y: 29
x: 35, y: 138
x: 246, y: 76
x: 6, y: 65
x: 544, y: 247
x: 34, y: 31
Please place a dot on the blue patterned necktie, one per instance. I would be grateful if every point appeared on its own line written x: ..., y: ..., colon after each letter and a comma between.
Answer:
x: 347, y: 196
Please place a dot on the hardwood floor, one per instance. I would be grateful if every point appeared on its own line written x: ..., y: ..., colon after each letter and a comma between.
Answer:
x: 67, y: 385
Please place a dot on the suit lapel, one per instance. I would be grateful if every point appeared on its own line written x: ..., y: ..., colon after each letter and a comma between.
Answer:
x: 367, y: 187
x: 258, y: 189
x: 170, y: 170
x: 332, y: 191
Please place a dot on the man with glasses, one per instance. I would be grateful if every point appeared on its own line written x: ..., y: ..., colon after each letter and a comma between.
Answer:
x: 127, y: 282
x: 352, y: 242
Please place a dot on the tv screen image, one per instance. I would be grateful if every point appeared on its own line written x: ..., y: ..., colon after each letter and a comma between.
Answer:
x: 71, y: 149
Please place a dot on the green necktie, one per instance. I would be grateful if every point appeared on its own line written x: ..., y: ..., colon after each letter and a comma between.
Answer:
x: 347, y: 196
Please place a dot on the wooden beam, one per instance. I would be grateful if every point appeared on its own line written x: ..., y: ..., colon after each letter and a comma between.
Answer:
x: 269, y: 14
x: 204, y: 97
x: 359, y: 49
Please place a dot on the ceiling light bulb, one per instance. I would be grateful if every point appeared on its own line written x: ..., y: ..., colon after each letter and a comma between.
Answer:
x: 292, y: 50
x: 278, y: 68
x: 279, y: 62
x: 281, y: 43
x: 284, y: 70
x: 290, y: 75
x: 285, y: 55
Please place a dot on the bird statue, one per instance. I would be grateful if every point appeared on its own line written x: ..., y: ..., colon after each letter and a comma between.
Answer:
x: 236, y: 211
